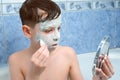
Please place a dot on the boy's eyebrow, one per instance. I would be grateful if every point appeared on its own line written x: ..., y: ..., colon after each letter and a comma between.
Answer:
x: 47, y: 28
x: 51, y: 27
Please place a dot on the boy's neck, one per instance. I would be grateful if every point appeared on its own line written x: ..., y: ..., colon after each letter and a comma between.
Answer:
x: 33, y: 49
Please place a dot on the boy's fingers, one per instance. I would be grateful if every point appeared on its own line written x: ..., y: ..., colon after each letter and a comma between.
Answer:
x: 44, y: 55
x: 44, y: 61
x: 40, y: 56
x: 105, y: 69
x: 101, y: 75
x: 108, y: 63
x: 41, y: 50
x: 38, y: 52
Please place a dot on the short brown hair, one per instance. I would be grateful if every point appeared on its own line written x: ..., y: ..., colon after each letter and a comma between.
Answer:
x: 29, y: 11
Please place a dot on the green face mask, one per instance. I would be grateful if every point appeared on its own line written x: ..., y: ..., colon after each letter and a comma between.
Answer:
x: 51, y: 39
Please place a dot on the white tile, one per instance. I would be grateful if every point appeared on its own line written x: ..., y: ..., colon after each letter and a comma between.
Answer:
x: 0, y: 9
x: 79, y: 0
x: 11, y: 8
x: 13, y: 1
x: 58, y: 0
x: 62, y: 5
x: 117, y: 4
x: 103, y: 4
x: 21, y: 1
x: 79, y: 5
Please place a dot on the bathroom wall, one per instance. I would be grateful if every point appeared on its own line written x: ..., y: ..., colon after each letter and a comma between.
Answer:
x: 85, y: 23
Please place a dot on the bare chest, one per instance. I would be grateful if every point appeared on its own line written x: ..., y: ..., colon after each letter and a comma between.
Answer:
x: 56, y: 69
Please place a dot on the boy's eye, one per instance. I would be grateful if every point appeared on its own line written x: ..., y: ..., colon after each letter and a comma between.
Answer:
x: 48, y: 31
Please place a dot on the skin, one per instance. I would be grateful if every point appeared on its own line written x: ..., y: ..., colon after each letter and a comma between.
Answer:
x: 41, y: 63
x: 106, y: 71
x: 37, y: 62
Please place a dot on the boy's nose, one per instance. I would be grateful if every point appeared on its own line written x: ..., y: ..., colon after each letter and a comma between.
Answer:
x: 55, y: 39
x: 56, y: 36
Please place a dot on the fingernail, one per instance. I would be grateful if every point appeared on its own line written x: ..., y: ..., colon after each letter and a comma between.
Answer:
x: 105, y: 57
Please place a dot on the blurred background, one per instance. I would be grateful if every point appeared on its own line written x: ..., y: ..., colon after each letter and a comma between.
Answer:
x: 85, y: 23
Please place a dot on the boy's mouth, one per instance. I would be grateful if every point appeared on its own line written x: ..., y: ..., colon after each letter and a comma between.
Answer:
x: 54, y: 44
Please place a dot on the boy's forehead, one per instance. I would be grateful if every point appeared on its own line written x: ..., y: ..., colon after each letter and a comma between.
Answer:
x: 51, y: 23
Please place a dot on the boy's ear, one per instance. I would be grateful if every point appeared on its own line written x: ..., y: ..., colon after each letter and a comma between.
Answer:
x: 26, y: 31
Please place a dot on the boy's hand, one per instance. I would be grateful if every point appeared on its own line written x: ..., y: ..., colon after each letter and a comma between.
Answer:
x: 39, y: 61
x: 105, y: 71
x: 39, y: 58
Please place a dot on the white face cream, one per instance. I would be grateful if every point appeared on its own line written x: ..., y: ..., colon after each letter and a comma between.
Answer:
x: 49, y: 32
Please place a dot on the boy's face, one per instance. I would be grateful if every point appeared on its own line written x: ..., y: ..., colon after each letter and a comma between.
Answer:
x: 50, y: 32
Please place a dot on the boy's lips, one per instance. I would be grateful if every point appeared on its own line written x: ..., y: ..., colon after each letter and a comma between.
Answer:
x: 54, y: 44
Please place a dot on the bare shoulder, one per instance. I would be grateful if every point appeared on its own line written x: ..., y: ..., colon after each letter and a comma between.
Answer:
x: 16, y: 57
x: 68, y: 51
x: 16, y: 64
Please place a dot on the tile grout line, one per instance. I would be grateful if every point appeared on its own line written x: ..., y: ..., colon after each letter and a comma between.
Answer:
x: 5, y: 50
x: 115, y: 28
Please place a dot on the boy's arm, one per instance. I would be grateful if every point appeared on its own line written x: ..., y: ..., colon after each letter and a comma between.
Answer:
x: 102, y: 74
x: 15, y: 73
x: 36, y: 67
x: 75, y: 73
x: 38, y: 63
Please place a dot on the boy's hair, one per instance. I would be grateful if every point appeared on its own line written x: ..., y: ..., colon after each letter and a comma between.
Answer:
x: 29, y: 11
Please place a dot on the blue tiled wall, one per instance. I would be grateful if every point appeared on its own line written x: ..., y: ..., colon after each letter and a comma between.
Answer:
x: 2, y: 42
x: 85, y: 23
x: 15, y: 39
x: 89, y: 28
x: 117, y: 32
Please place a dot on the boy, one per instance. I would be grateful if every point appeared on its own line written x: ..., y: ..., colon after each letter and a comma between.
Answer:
x: 44, y: 59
